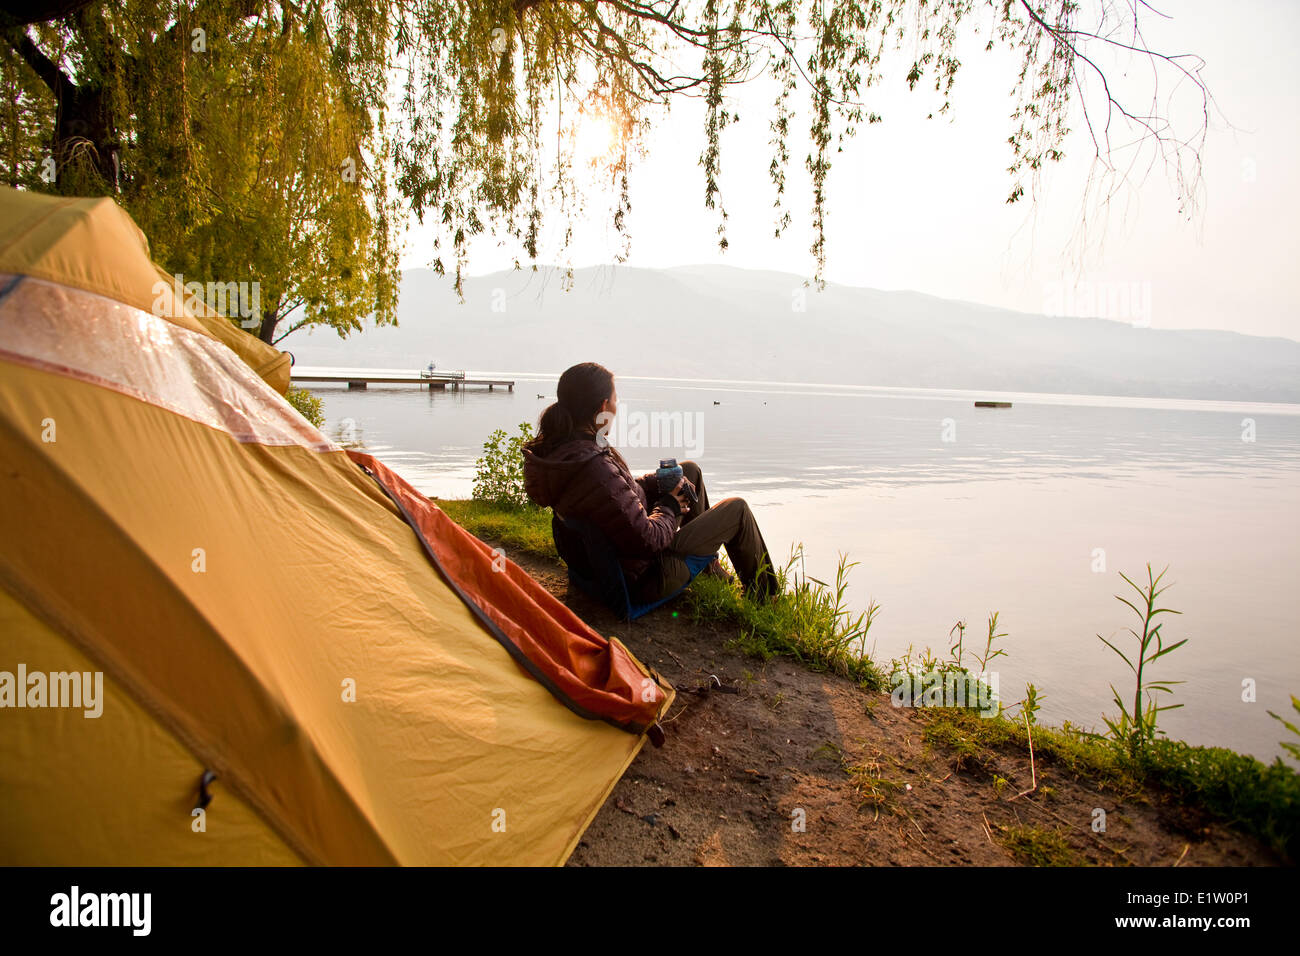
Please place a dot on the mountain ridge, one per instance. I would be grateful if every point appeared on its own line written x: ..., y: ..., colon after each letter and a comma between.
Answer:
x: 727, y: 322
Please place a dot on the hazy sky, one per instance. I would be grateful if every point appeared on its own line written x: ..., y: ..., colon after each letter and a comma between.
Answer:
x: 920, y: 204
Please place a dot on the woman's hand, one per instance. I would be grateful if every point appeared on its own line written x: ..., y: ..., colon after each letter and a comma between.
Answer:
x: 679, y: 492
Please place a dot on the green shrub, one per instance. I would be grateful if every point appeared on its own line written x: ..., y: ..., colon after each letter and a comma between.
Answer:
x: 308, y: 405
x: 499, y: 474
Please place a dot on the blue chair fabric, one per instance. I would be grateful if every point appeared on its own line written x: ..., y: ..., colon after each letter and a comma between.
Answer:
x: 593, y: 566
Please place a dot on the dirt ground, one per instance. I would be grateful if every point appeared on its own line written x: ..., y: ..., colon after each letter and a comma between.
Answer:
x: 771, y: 763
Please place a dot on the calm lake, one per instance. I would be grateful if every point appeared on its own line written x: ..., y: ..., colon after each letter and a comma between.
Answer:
x: 953, y: 512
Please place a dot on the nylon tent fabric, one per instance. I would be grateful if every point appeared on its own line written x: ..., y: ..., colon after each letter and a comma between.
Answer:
x: 92, y: 244
x: 260, y: 607
x: 594, y: 677
x: 271, y: 365
x: 155, y: 831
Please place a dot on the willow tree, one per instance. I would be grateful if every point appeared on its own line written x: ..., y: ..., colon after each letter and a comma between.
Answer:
x: 485, y: 98
x: 245, y: 140
x: 293, y: 173
x: 492, y: 90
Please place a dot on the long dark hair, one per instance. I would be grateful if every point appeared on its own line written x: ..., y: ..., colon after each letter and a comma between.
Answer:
x: 580, y: 393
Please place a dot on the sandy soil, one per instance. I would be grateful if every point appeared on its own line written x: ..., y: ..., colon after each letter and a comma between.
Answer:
x: 755, y: 750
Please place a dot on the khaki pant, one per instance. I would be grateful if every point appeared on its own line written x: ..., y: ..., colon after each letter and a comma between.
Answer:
x: 704, y: 529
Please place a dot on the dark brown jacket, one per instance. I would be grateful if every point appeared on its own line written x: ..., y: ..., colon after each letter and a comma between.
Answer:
x: 580, y: 479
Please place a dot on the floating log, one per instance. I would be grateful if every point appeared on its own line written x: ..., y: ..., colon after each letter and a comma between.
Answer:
x: 992, y: 404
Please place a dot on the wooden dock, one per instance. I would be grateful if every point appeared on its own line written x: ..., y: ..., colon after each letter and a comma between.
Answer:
x: 360, y: 378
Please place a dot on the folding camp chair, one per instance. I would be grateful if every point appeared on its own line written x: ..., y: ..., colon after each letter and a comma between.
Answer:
x: 593, y: 566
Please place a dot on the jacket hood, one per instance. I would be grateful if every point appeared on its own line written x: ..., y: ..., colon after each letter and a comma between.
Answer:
x: 545, y: 476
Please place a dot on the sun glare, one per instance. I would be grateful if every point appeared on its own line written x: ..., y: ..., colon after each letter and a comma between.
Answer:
x: 596, y: 139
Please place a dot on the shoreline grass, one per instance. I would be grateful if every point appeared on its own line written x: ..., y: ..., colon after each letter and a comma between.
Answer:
x: 811, y: 624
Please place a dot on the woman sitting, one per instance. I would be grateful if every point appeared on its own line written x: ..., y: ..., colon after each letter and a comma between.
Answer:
x: 570, y: 467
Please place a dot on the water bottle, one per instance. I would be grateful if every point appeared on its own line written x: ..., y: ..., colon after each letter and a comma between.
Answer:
x: 669, y: 474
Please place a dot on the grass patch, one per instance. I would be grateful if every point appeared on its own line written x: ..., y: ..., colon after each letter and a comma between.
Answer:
x: 809, y: 622
x: 872, y: 787
x: 967, y: 746
x: 1237, y: 789
x: 526, y: 529
x: 975, y: 738
x: 1037, y: 846
x: 1262, y: 799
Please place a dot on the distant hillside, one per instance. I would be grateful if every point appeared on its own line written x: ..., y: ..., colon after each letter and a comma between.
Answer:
x: 722, y: 322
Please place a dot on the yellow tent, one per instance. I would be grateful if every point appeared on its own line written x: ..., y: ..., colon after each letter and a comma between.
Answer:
x: 224, y: 639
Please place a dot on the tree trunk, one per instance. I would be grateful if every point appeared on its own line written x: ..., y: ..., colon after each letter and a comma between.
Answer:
x: 84, y: 122
x: 83, y: 119
x: 269, y: 321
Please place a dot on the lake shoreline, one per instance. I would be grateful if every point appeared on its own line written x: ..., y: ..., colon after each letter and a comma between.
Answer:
x: 770, y: 762
x: 1031, y: 511
x: 773, y: 746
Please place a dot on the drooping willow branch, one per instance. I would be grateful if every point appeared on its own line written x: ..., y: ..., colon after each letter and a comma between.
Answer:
x: 627, y: 55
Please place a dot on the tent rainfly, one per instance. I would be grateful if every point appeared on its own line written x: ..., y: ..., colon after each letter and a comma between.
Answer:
x: 225, y: 639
